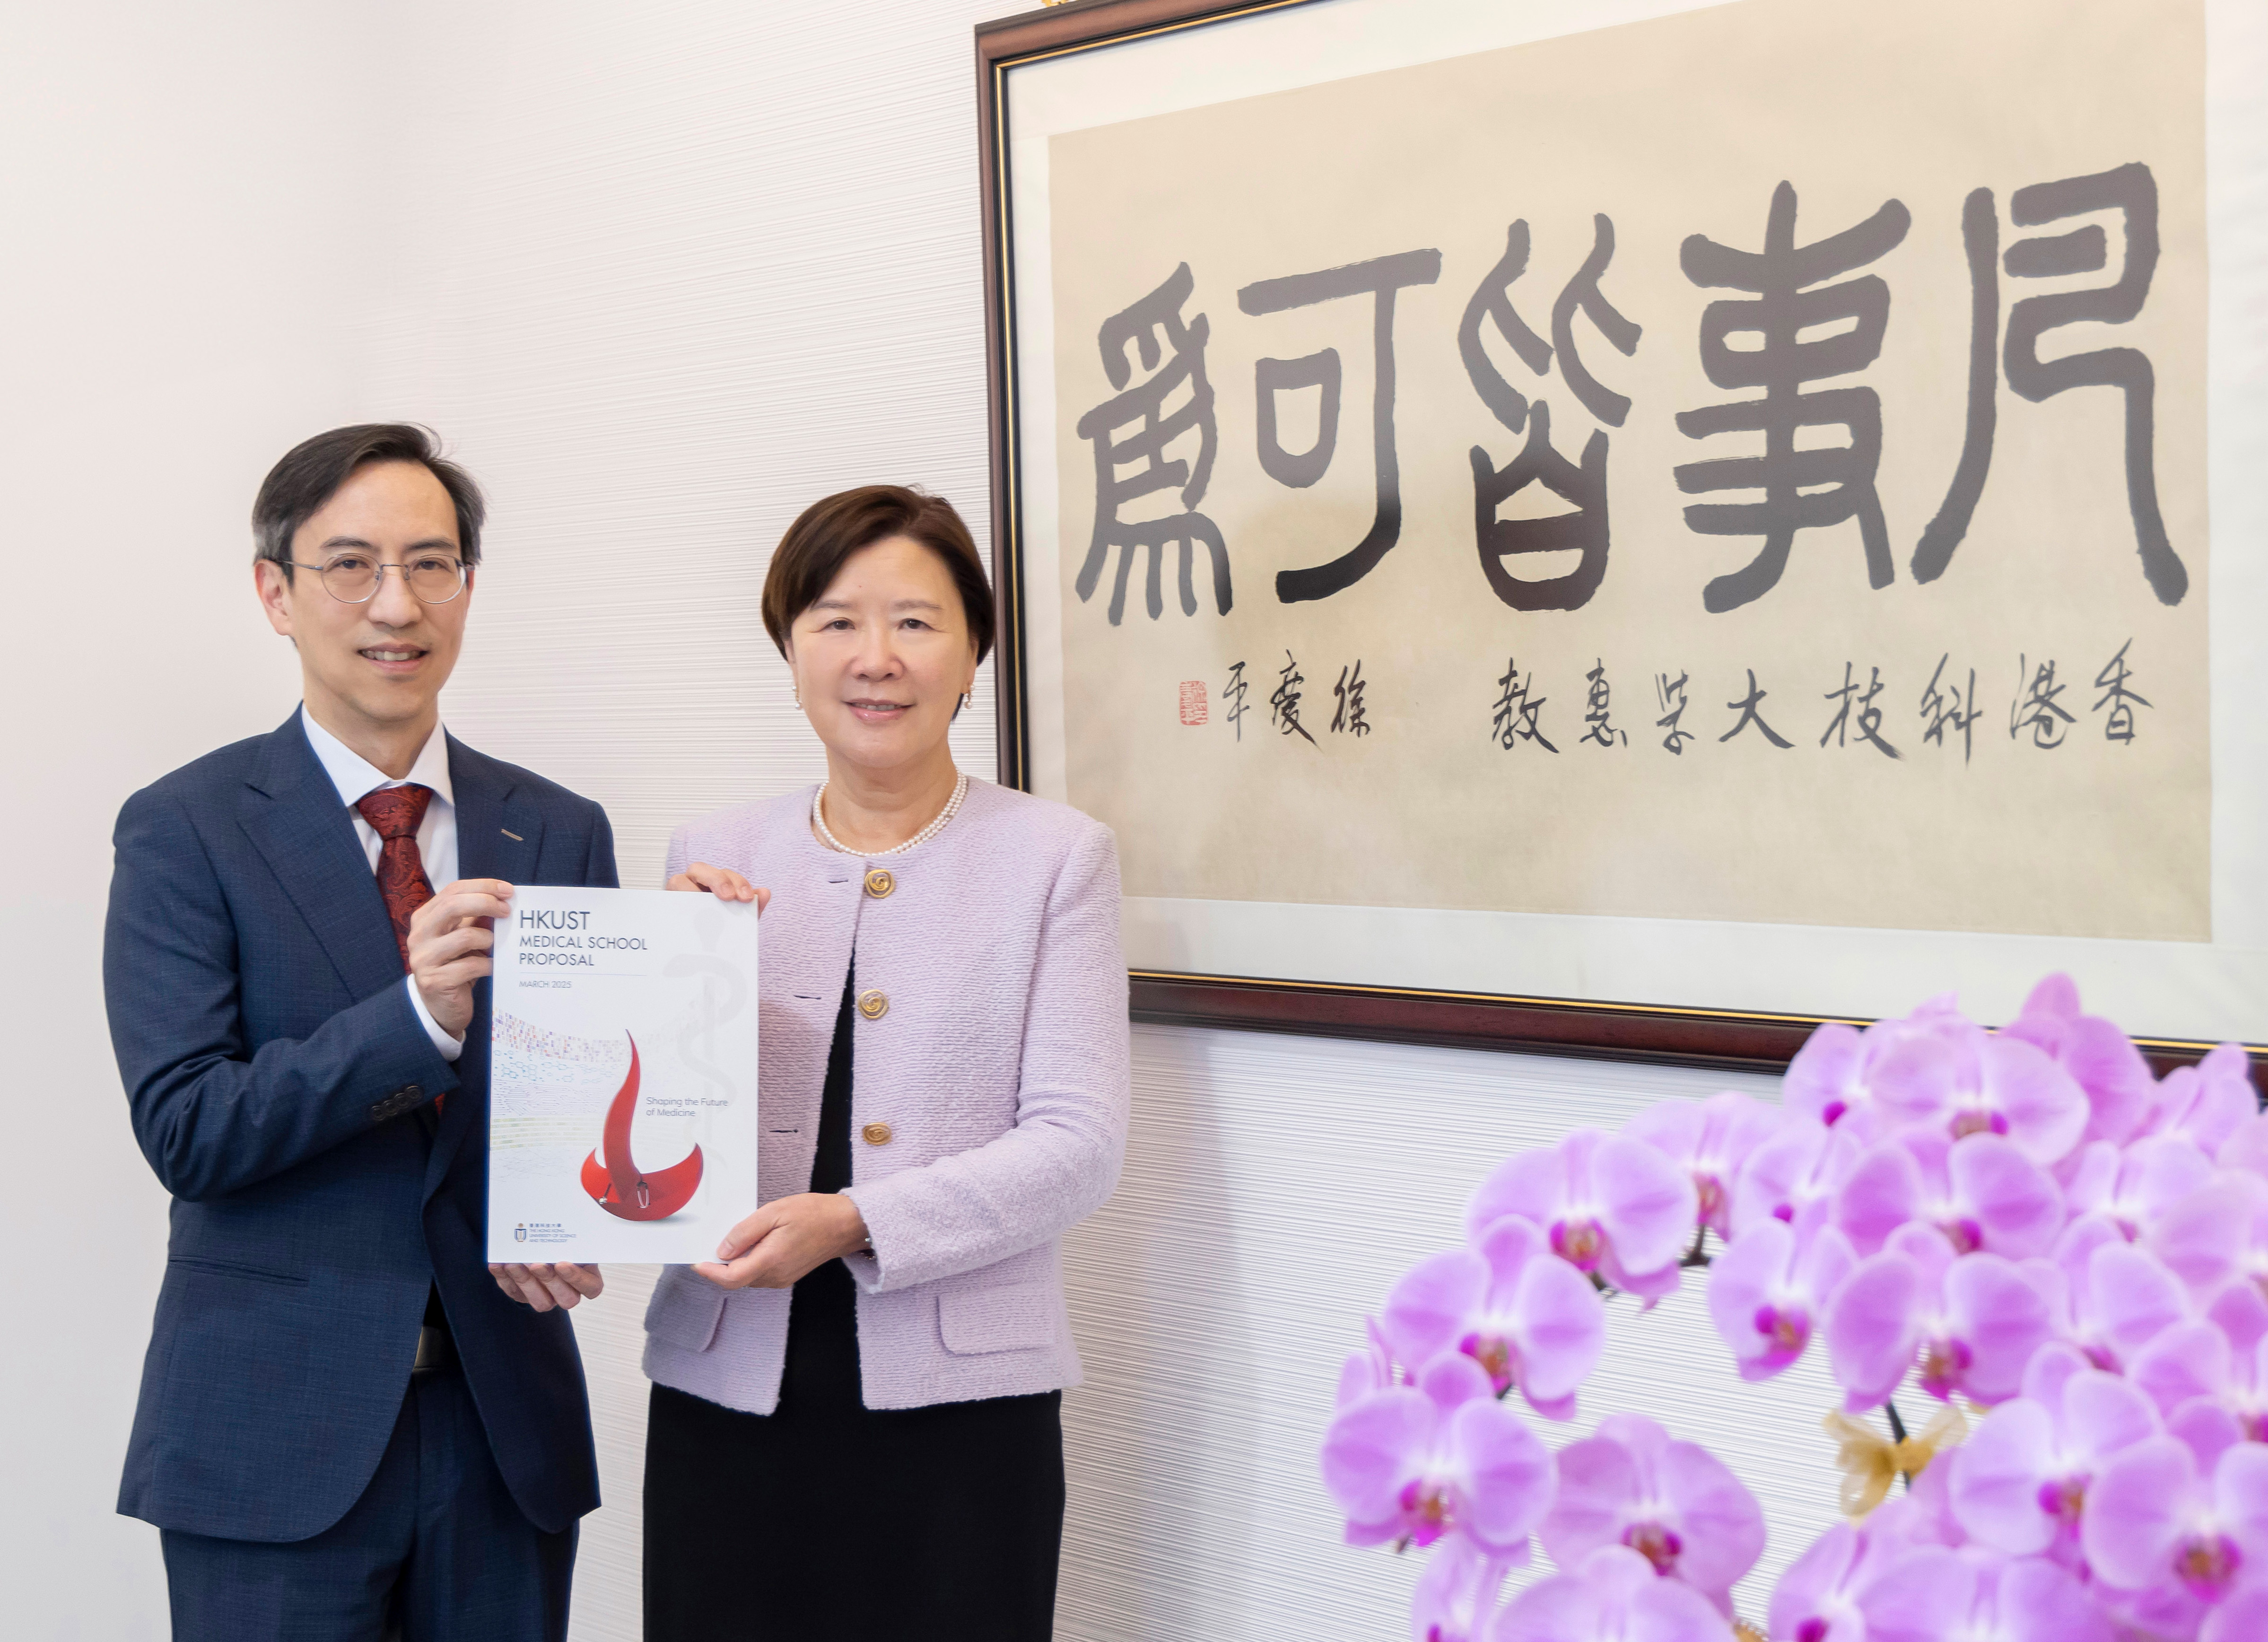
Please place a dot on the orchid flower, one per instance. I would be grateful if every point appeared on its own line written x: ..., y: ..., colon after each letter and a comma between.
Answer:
x: 2216, y: 1235
x: 1976, y: 1319
x: 1803, y: 1163
x: 1769, y: 1290
x: 2207, y: 1102
x: 2220, y: 1358
x: 1709, y: 1139
x: 1609, y: 1205
x: 2116, y: 1298
x: 1939, y: 1595
x: 1820, y: 1598
x: 1981, y: 1191
x: 1528, y: 1319
x: 2175, y: 1534
x: 2100, y: 1058
x: 1415, y: 1462
x: 1958, y: 1080
x: 1457, y: 1594
x: 2133, y: 1187
x: 1674, y: 1503
x: 1613, y: 1596
x: 2019, y: 1483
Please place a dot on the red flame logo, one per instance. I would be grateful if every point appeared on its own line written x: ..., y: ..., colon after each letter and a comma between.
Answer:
x: 618, y: 1185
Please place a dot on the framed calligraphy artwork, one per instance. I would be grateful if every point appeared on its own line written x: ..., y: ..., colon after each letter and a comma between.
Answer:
x: 1634, y: 528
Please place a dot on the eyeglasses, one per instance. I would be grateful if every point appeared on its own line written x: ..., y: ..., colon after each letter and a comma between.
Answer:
x: 355, y: 578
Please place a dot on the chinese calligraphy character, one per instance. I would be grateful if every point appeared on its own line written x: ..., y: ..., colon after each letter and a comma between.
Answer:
x: 1671, y: 694
x: 1812, y: 487
x: 2119, y: 727
x: 1349, y: 714
x: 1596, y: 709
x: 1134, y: 430
x: 1539, y: 463
x: 1747, y: 708
x: 1517, y: 713
x: 1935, y: 708
x: 1284, y: 705
x: 1870, y: 716
x: 2132, y: 191
x: 2035, y: 708
x: 1380, y: 278
x: 1232, y: 696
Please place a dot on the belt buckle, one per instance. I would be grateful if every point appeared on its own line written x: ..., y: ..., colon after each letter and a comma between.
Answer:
x: 434, y: 1350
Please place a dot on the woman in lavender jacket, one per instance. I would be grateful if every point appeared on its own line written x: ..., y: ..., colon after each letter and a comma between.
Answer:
x: 856, y: 1420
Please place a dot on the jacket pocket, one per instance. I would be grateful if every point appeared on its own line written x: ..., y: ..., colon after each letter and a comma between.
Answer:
x: 1012, y: 1317
x: 236, y: 1269
x: 684, y: 1310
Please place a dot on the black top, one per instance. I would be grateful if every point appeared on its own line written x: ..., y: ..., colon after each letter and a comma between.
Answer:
x: 821, y: 1371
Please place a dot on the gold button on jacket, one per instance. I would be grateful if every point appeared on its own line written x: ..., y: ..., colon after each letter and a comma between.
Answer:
x: 875, y: 1004
x: 875, y: 1134
x: 879, y: 883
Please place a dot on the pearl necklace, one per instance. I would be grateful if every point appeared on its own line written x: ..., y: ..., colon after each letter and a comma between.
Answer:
x: 952, y: 804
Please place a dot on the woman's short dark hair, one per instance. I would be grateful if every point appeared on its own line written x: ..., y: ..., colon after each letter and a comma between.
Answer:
x: 828, y: 532
x: 312, y: 472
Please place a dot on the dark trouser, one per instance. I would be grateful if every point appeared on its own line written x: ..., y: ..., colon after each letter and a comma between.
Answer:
x: 435, y: 1550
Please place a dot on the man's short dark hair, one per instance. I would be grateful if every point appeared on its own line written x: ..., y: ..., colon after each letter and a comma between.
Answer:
x: 312, y: 472
x: 830, y: 530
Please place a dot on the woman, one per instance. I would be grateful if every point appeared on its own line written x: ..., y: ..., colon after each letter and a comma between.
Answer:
x: 856, y: 1420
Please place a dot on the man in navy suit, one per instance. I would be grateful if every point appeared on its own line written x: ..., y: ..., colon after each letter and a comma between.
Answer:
x: 347, y: 1427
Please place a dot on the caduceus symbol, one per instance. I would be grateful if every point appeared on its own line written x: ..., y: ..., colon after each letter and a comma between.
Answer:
x: 617, y: 1185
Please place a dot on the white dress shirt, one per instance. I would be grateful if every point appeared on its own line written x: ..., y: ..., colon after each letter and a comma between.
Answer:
x: 356, y: 776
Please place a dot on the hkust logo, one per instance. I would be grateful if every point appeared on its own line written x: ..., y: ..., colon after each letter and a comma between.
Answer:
x: 618, y: 1185
x: 519, y: 1232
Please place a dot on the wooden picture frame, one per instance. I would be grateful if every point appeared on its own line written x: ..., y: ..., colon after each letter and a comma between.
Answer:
x: 1371, y: 1008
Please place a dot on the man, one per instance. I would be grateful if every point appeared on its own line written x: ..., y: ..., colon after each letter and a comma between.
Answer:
x: 346, y: 1426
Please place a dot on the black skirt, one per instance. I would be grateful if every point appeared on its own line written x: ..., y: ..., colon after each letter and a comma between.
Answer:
x: 825, y: 1518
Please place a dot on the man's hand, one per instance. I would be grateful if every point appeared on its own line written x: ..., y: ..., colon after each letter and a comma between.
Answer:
x: 722, y: 882
x: 451, y: 938
x: 543, y: 1286
x: 785, y: 1240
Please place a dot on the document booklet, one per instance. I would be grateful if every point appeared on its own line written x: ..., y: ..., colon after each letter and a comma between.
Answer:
x: 623, y: 1080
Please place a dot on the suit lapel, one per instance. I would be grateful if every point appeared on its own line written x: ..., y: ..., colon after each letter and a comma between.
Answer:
x: 495, y: 838
x: 293, y: 813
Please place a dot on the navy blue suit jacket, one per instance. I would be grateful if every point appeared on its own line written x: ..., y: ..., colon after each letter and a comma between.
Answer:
x: 273, y: 1065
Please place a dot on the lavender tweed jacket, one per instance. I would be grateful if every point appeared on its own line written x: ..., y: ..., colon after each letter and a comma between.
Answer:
x: 989, y: 1103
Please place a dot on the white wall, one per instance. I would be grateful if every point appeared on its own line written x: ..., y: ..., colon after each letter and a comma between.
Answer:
x: 663, y: 274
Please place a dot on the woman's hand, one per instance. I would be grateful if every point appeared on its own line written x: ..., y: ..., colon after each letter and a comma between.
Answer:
x: 787, y: 1238
x: 544, y: 1286
x: 722, y: 882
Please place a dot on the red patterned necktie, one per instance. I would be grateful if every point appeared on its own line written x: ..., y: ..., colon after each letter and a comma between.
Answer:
x: 394, y: 814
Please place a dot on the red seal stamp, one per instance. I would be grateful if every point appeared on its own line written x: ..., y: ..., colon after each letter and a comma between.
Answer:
x: 1193, y: 701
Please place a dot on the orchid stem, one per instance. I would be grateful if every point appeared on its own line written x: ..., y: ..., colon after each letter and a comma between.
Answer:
x: 1898, y: 1434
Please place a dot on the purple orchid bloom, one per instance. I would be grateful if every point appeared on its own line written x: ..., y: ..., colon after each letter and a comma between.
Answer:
x: 2216, y: 1235
x: 2116, y: 1298
x: 1709, y: 1139
x: 1527, y: 1318
x: 2221, y: 1358
x: 1826, y: 1081
x: 2101, y: 1058
x: 2020, y: 1483
x: 1417, y: 1462
x: 2247, y: 1147
x: 1821, y: 1597
x: 1956, y: 1078
x: 2174, y: 1534
x: 1456, y: 1596
x: 1981, y: 1191
x: 1607, y: 1204
x: 2134, y: 1186
x: 1767, y: 1291
x: 1803, y: 1164
x: 1975, y: 1319
x: 1936, y: 1595
x: 2208, y: 1102
x: 1613, y: 1596
x: 1674, y: 1503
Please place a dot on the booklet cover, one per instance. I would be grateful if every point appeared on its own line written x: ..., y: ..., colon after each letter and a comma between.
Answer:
x: 622, y: 1075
